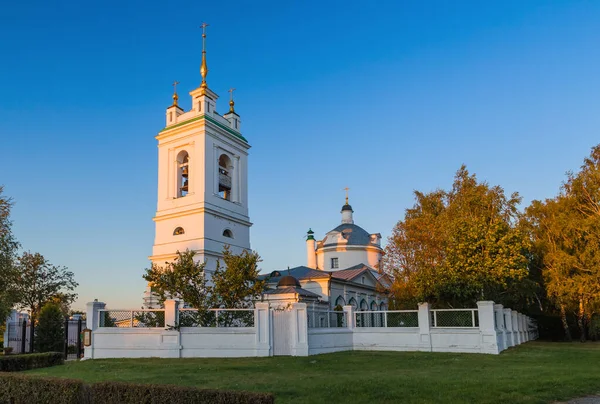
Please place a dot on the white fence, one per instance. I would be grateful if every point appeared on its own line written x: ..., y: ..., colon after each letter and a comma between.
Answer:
x: 174, y: 332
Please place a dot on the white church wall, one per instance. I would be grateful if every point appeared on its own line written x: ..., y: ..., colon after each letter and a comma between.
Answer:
x: 347, y: 257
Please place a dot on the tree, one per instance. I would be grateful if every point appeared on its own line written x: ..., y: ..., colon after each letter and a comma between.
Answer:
x: 8, y: 249
x: 39, y: 282
x: 49, y: 333
x: 566, y: 235
x: 234, y: 284
x: 459, y: 246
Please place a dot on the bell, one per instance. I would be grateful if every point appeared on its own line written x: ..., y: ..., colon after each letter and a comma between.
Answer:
x: 184, y: 172
x: 185, y: 186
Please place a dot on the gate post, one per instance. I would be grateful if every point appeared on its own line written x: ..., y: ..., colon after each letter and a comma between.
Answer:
x: 31, y: 334
x: 299, y: 329
x: 262, y: 325
x: 66, y: 345
x: 79, y: 346
x: 423, y: 317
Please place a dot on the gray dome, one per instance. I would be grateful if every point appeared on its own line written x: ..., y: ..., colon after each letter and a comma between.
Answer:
x: 288, y: 281
x: 347, y: 207
x: 355, y: 235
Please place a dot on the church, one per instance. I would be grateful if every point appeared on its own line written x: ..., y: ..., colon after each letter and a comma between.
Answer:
x: 202, y: 205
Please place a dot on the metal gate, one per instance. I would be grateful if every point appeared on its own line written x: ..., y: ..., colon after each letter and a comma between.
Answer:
x: 282, y: 332
x: 73, y: 343
x: 18, y: 334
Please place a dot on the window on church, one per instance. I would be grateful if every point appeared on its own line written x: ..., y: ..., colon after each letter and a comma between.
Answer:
x: 363, y: 280
x: 228, y: 233
x: 335, y: 263
x: 178, y: 231
x: 183, y: 163
x: 225, y: 168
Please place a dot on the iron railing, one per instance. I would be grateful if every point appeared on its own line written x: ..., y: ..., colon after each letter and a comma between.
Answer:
x: 148, y: 318
x: 216, y: 318
x: 388, y: 319
x: 454, y: 318
x: 327, y: 319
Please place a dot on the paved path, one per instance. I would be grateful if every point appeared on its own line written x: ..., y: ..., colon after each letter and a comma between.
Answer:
x: 583, y: 400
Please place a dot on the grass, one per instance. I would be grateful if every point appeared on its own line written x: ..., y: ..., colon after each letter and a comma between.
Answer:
x: 536, y: 372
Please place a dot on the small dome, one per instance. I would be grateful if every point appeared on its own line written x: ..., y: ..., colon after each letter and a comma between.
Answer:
x: 288, y: 281
x: 347, y: 207
x: 275, y: 274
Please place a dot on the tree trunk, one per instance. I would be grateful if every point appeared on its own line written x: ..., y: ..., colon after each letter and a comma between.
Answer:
x: 563, y: 318
x: 581, y: 319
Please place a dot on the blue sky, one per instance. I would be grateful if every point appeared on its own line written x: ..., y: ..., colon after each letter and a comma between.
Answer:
x: 384, y: 97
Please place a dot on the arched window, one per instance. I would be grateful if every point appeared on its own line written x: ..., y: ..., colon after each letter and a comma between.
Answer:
x: 225, y: 168
x: 340, y: 301
x: 373, y: 306
x: 228, y: 233
x: 363, y: 305
x: 352, y: 302
x: 183, y: 173
x: 382, y: 306
x: 178, y: 231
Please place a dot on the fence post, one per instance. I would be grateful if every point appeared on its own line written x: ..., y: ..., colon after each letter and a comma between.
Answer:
x: 262, y: 326
x: 171, y: 311
x: 349, y: 310
x: 487, y: 327
x: 522, y: 322
x: 31, y: 334
x: 79, y: 344
x: 23, y: 336
x: 510, y: 336
x: 299, y: 329
x: 66, y: 345
x: 425, y: 342
x: 92, y: 322
x: 516, y: 327
x: 499, y: 313
x: 7, y: 330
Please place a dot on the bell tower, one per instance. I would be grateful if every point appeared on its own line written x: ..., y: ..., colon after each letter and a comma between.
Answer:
x: 202, y: 180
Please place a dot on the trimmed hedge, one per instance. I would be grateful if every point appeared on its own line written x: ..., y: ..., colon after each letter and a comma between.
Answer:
x: 117, y: 392
x: 20, y: 389
x: 16, y: 363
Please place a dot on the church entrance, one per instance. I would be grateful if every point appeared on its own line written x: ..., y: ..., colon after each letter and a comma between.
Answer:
x: 282, y: 332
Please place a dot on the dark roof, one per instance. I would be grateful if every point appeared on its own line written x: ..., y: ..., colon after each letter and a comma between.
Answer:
x: 291, y: 289
x: 288, y: 280
x: 355, y: 235
x: 347, y: 207
x: 299, y: 273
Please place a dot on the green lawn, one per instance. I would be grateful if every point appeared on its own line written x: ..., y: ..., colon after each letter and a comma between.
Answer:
x: 536, y: 372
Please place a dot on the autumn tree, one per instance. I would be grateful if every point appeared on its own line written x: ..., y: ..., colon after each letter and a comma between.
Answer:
x: 456, y: 247
x: 39, y: 282
x: 566, y: 233
x: 8, y: 249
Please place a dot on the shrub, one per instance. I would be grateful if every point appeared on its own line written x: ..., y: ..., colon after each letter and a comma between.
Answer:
x: 20, y: 389
x: 49, y: 332
x: 117, y: 392
x: 8, y: 350
x: 15, y: 363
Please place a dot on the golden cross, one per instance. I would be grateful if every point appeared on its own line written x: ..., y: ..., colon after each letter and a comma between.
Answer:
x: 230, y: 91
x: 346, y: 189
x: 203, y: 26
x: 175, y: 86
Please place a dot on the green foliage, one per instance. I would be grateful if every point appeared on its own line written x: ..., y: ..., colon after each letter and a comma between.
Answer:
x: 20, y: 389
x: 234, y: 285
x: 49, y: 331
x: 456, y: 247
x: 8, y: 249
x: 16, y: 363
x: 115, y: 392
x: 39, y: 282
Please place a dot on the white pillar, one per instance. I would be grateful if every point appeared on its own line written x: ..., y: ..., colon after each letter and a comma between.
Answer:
x: 487, y: 328
x: 350, y: 320
x: 516, y: 327
x: 92, y: 322
x: 299, y: 329
x: 510, y: 337
x: 262, y: 325
x: 311, y: 254
x: 500, y: 330
x: 424, y: 317
x: 171, y: 313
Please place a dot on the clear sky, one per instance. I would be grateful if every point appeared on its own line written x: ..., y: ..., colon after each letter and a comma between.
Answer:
x: 384, y: 97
